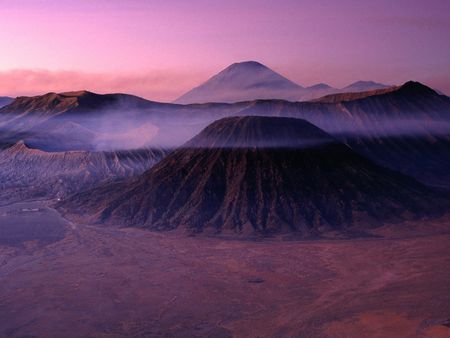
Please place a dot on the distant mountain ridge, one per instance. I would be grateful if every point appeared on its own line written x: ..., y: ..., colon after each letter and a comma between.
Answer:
x: 251, y: 80
x: 55, y: 103
x: 377, y: 124
x: 350, y: 96
x: 409, y: 101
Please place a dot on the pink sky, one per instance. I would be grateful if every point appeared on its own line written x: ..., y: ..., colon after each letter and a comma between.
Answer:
x: 161, y: 48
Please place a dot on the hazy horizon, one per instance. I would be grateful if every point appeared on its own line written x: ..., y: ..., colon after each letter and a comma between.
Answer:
x: 173, y: 46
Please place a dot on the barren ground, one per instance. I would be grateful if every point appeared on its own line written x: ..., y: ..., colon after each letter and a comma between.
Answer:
x: 107, y: 282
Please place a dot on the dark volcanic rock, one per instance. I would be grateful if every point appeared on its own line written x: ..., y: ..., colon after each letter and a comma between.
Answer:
x: 216, y: 183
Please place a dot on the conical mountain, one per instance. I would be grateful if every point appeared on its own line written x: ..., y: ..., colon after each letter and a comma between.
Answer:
x: 243, y: 81
x: 241, y: 175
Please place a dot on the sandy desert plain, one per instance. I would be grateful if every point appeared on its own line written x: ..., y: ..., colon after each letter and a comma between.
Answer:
x: 76, y: 280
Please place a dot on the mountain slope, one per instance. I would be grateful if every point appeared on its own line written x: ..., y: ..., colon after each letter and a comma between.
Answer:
x: 374, y: 114
x: 29, y: 173
x: 406, y: 129
x: 5, y: 100
x: 424, y: 157
x: 350, y: 96
x: 412, y: 99
x: 217, y: 183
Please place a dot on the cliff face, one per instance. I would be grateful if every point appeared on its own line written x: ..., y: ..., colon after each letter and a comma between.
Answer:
x: 34, y: 173
x: 218, y: 184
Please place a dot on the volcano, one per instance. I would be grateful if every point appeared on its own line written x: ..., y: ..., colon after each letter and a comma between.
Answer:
x: 251, y: 80
x: 259, y: 174
x: 243, y: 81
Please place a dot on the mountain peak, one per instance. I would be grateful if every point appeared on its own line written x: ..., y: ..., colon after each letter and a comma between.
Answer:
x: 242, y: 81
x: 361, y: 86
x: 260, y: 131
x: 320, y: 86
x: 414, y: 87
x: 363, y: 82
x: 77, y: 93
x: 247, y: 64
x: 250, y: 74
